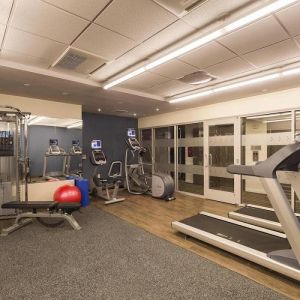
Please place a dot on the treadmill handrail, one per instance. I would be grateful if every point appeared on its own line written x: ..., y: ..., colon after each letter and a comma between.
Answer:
x: 285, y: 159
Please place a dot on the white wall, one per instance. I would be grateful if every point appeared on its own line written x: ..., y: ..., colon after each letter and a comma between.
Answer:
x: 282, y: 100
x: 43, y: 107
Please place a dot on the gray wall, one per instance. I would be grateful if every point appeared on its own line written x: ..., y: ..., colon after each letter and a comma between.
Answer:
x: 112, y: 131
x: 38, y: 143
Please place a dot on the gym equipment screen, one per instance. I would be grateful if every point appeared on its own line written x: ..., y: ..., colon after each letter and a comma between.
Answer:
x: 75, y: 143
x: 96, y: 144
x: 53, y: 142
x: 131, y: 132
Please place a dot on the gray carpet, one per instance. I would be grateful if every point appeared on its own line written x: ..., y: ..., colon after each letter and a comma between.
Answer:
x: 111, y: 259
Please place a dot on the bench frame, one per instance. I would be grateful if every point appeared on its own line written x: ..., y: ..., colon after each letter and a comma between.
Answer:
x: 25, y: 218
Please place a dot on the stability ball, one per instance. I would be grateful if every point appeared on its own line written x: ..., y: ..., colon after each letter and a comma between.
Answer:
x: 67, y: 193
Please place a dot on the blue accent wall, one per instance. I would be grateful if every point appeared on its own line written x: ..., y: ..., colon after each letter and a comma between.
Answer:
x: 112, y: 131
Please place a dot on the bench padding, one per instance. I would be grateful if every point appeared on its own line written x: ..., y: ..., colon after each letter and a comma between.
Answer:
x: 29, y: 204
x: 72, y: 206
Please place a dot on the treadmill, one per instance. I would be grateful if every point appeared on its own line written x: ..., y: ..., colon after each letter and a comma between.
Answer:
x: 274, y: 250
x: 258, y: 215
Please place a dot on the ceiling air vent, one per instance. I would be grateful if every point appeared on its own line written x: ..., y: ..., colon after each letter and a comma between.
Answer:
x: 180, y: 7
x: 198, y: 77
x: 79, y: 61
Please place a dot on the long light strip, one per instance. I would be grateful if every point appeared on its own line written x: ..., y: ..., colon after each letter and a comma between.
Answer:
x: 237, y: 85
x: 279, y: 4
x: 268, y: 115
x: 35, y: 120
x: 75, y: 125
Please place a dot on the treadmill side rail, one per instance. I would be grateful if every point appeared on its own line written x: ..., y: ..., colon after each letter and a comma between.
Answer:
x: 238, y: 249
x: 256, y: 221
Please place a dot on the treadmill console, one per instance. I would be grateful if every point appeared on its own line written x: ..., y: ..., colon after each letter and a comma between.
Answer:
x: 53, y: 147
x: 98, y: 156
x: 76, y: 149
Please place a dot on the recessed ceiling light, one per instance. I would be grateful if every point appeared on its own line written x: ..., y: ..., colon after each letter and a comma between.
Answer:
x: 65, y: 93
x: 197, y: 77
x: 26, y: 84
x: 157, y: 109
x: 134, y: 114
x: 99, y: 109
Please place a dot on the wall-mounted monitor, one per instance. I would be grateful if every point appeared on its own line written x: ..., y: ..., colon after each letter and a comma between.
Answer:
x: 96, y: 144
x: 75, y: 143
x: 131, y: 132
x: 53, y: 142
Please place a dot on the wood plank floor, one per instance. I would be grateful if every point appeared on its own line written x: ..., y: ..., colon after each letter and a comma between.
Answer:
x: 155, y: 216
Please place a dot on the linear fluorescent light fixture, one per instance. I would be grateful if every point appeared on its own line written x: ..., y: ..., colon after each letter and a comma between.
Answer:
x: 278, y: 120
x: 291, y: 72
x: 227, y: 87
x: 260, y: 13
x: 247, y: 82
x: 75, y: 125
x: 268, y: 115
x: 35, y: 120
x: 189, y: 97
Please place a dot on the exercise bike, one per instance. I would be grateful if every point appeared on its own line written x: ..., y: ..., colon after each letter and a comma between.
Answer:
x: 101, y: 186
x: 158, y: 185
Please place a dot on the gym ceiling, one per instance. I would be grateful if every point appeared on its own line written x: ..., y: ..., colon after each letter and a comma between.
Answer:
x: 68, y: 50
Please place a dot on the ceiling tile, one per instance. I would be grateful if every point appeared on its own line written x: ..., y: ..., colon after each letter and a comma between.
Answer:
x: 208, y: 55
x: 103, y: 42
x: 289, y: 17
x: 23, y: 59
x: 297, y: 39
x: 136, y: 19
x: 5, y: 7
x: 169, y: 35
x: 33, y: 45
x: 2, y: 31
x: 46, y: 20
x: 273, y: 54
x: 128, y: 59
x: 230, y: 68
x: 144, y: 81
x: 170, y: 88
x: 174, y: 69
x: 212, y: 10
x: 87, y: 9
x: 255, y: 36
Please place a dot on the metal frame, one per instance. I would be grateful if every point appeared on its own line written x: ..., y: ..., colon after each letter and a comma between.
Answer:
x: 229, y: 197
x: 276, y: 226
x: 12, y: 115
x: 286, y: 217
x: 107, y: 196
x: 255, y: 256
x: 26, y: 218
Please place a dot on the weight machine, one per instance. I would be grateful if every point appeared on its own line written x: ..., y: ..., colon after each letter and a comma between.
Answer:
x: 14, y: 161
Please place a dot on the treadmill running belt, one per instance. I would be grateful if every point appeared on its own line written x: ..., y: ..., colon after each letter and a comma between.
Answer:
x: 242, y: 235
x: 259, y: 213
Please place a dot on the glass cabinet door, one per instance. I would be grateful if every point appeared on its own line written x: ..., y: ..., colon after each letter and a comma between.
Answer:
x: 164, y: 150
x: 146, y: 142
x: 190, y: 158
x: 261, y: 137
x: 220, y: 144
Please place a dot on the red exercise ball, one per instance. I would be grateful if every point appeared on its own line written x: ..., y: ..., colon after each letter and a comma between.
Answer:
x: 67, y: 193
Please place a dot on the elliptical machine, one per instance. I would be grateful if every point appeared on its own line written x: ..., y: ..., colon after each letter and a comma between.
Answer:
x: 101, y: 186
x: 158, y: 185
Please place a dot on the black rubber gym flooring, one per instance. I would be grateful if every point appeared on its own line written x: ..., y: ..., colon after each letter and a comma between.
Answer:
x: 111, y: 259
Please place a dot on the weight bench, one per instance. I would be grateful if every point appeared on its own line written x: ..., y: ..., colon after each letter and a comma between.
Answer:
x: 41, y: 210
